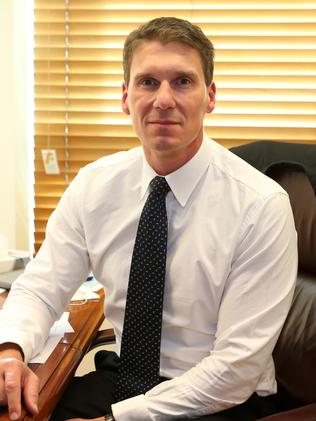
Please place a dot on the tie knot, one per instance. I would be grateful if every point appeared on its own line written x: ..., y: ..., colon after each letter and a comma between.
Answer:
x: 159, y: 186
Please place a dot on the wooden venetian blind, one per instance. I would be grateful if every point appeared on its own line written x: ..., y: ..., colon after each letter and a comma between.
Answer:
x: 265, y: 74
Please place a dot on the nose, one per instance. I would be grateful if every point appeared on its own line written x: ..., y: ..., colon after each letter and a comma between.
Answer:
x: 164, y: 98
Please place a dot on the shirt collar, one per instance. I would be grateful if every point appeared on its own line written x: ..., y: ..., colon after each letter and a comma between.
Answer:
x: 183, y: 181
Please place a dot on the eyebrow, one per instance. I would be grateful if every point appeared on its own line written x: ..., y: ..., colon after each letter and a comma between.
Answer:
x: 143, y: 76
x: 175, y: 75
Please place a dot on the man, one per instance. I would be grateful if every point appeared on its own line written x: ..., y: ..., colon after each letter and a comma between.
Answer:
x: 231, y: 257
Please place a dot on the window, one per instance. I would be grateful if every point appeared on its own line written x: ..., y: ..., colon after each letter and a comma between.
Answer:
x: 265, y: 72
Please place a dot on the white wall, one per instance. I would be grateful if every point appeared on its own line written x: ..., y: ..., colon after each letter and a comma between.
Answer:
x: 16, y: 122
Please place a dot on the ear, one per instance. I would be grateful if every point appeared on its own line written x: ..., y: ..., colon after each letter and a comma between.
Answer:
x: 211, y: 97
x: 124, y: 99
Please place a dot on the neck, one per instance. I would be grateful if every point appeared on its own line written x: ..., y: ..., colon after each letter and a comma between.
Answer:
x: 166, y: 162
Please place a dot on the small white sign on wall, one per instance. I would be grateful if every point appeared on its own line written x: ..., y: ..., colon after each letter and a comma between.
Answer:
x: 50, y: 161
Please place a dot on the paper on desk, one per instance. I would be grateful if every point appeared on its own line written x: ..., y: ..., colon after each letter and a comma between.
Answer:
x: 56, y: 333
x: 2, y: 290
x: 93, y: 285
x: 85, y: 293
x: 61, y: 326
x: 50, y: 345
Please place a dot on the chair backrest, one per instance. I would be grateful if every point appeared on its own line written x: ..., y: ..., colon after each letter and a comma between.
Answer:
x: 295, y: 352
x: 293, y: 166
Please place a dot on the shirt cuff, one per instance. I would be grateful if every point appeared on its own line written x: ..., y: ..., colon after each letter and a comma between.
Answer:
x: 17, y: 339
x: 132, y: 409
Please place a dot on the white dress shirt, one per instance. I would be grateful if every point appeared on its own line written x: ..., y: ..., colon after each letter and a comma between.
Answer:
x: 230, y: 274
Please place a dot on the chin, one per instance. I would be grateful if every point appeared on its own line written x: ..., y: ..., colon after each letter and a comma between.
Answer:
x: 164, y: 145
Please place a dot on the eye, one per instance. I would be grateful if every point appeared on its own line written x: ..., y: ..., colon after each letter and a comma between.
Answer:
x: 183, y: 81
x: 148, y: 82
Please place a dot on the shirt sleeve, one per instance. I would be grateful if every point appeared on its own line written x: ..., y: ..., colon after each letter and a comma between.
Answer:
x: 256, y: 299
x: 39, y: 296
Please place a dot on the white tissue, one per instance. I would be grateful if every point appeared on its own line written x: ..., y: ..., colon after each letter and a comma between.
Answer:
x: 6, y: 262
x: 3, y: 246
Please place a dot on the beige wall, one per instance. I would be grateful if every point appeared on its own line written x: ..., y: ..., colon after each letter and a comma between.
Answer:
x: 16, y: 122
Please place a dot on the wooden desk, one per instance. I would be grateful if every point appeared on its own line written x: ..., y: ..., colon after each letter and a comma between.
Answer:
x: 60, y: 367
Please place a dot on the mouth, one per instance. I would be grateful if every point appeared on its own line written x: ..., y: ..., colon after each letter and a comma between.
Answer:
x: 163, y: 122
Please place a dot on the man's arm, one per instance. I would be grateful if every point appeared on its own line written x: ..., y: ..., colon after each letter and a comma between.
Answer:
x: 37, y: 298
x: 258, y: 293
x: 40, y: 295
x: 17, y: 382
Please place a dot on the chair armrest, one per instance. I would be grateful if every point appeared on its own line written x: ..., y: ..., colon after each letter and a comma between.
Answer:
x: 103, y: 337
x: 306, y: 413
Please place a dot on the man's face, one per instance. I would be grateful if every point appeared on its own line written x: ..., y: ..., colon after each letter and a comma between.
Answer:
x: 167, y: 99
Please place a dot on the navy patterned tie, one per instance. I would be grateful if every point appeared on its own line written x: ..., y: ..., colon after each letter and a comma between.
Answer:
x: 140, y: 348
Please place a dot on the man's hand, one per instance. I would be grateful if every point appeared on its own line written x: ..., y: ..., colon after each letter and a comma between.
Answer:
x: 17, y: 380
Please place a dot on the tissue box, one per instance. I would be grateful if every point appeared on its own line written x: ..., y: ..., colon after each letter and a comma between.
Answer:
x: 7, y: 264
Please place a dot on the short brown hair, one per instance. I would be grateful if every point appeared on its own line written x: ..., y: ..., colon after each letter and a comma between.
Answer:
x: 170, y: 29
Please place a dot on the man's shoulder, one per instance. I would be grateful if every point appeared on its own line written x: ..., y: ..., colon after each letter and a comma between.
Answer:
x: 108, y: 174
x: 237, y: 172
x: 114, y: 162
